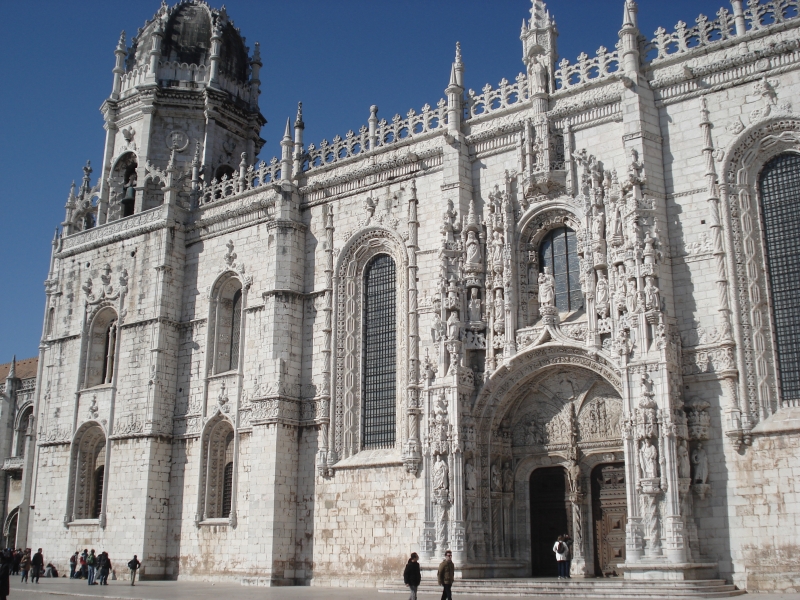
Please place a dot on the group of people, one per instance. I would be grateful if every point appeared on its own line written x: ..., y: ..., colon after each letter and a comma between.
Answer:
x: 95, y: 568
x: 412, y: 576
x: 22, y: 562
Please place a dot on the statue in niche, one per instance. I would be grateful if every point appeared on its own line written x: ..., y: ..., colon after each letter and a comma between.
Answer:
x: 508, y: 478
x: 630, y: 299
x: 621, y: 293
x: 533, y: 434
x: 471, y: 480
x: 601, y: 294
x: 440, y: 480
x: 497, y: 252
x: 497, y: 481
x: 453, y: 326
x: 538, y: 76
x: 684, y: 465
x: 634, y: 232
x: 451, y: 301
x: 700, y: 461
x: 598, y: 224
x: 636, y: 168
x: 474, y: 308
x: 641, y: 302
x: 616, y: 223
x: 574, y: 472
x: 648, y: 460
x: 448, y: 219
x: 474, y: 258
x: 438, y: 329
x: 547, y: 288
x: 652, y: 294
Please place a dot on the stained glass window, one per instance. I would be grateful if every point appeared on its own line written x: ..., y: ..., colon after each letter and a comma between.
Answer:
x: 780, y: 204
x: 379, y: 377
x: 559, y: 251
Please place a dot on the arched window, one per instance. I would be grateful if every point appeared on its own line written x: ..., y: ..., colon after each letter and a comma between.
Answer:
x: 559, y: 251
x: 87, y: 474
x: 101, y: 349
x: 379, y: 345
x: 779, y: 187
x: 23, y: 424
x: 51, y: 319
x: 226, y: 320
x: 217, y: 491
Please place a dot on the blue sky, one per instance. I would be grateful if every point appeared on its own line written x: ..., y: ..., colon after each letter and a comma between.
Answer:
x: 337, y: 57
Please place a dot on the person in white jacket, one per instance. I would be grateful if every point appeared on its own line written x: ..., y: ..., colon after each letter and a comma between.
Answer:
x: 562, y: 556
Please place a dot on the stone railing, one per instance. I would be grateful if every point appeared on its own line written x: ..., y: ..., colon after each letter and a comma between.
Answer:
x: 759, y: 14
x: 253, y: 178
x: 134, y: 77
x: 587, y: 70
x: 492, y: 100
x: 379, y: 134
x: 175, y: 71
x: 13, y: 463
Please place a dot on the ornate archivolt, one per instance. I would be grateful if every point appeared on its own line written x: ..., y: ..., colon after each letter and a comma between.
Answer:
x: 348, y: 298
x: 752, y: 318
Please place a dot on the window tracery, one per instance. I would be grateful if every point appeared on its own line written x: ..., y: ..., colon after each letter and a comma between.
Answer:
x: 779, y: 188
x: 217, y: 489
x: 88, y: 474
x: 101, y: 348
x: 558, y: 252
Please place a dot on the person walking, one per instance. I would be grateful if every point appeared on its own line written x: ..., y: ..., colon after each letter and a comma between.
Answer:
x: 25, y: 565
x: 73, y: 562
x: 17, y: 558
x: 37, y: 566
x: 133, y: 565
x: 104, y: 566
x: 412, y: 575
x: 446, y: 575
x: 562, y: 552
x: 91, y: 562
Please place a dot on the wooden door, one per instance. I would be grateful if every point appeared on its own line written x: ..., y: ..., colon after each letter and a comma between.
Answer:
x: 610, y: 513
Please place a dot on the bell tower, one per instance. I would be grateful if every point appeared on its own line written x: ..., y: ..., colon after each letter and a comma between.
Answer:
x: 185, y: 93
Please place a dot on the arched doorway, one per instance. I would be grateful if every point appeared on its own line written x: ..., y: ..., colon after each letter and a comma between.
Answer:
x: 549, y: 517
x: 609, y: 515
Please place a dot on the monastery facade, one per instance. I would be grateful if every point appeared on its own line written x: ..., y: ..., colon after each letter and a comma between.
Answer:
x: 563, y: 304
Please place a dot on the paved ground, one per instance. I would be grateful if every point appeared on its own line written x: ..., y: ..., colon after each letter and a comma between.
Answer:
x: 63, y: 589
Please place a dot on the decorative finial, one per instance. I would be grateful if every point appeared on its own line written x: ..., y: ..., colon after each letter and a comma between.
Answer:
x: 298, y: 122
x: 257, y: 53
x: 287, y: 134
x: 12, y: 373
x: 121, y: 43
x: 458, y: 53
x: 196, y: 159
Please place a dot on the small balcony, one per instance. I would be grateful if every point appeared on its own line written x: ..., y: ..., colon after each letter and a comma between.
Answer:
x: 13, y: 463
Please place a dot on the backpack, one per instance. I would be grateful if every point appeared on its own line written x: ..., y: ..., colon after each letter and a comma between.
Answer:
x: 92, y: 560
x: 561, y: 548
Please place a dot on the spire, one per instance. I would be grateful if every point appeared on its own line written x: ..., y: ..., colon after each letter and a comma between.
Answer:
x: 12, y: 373
x: 540, y: 16
x: 287, y: 134
x: 298, y: 122
x: 458, y: 67
x: 629, y: 15
x: 286, y: 151
x: 121, y: 46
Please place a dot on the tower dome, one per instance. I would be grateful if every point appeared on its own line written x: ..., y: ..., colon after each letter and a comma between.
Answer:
x: 187, y: 31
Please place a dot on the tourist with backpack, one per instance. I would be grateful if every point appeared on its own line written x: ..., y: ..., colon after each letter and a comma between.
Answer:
x: 73, y: 563
x: 562, y: 555
x: 133, y: 565
x: 412, y: 576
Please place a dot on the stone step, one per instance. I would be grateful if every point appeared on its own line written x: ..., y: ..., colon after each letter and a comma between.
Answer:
x: 588, y: 588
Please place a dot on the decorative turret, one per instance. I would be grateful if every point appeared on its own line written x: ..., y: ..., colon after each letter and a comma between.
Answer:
x: 539, y: 47
x: 628, y: 37
x: 455, y: 94
x: 299, y: 126
x: 187, y: 79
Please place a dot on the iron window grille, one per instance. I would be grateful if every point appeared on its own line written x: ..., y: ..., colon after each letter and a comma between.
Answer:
x: 99, y: 474
x: 559, y: 251
x: 780, y: 205
x: 379, y: 351
x: 227, y: 489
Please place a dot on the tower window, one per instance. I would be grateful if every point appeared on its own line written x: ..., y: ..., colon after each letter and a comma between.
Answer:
x: 380, y: 365
x: 559, y: 251
x: 779, y: 187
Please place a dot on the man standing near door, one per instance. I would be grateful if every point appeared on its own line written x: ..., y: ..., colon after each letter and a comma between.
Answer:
x: 562, y: 552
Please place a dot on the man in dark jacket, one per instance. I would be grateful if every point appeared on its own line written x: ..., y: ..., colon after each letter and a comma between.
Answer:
x: 412, y: 576
x: 133, y: 565
x: 37, y: 566
x: 446, y: 575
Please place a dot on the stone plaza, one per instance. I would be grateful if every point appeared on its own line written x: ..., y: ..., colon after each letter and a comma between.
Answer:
x: 562, y: 304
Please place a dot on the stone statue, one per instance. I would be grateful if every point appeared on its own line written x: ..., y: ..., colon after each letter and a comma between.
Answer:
x: 538, y: 76
x: 547, y: 288
x: 453, y: 326
x: 474, y: 258
x: 497, y: 252
x: 601, y: 294
x: 448, y: 220
x: 652, y: 294
x: 474, y: 308
x: 497, y: 482
x: 616, y: 223
x: 700, y: 461
x: 508, y: 478
x: 684, y: 466
x: 598, y: 225
x: 634, y: 232
x: 437, y: 331
x: 533, y: 435
x: 648, y: 459
x: 440, y: 479
x: 471, y: 480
